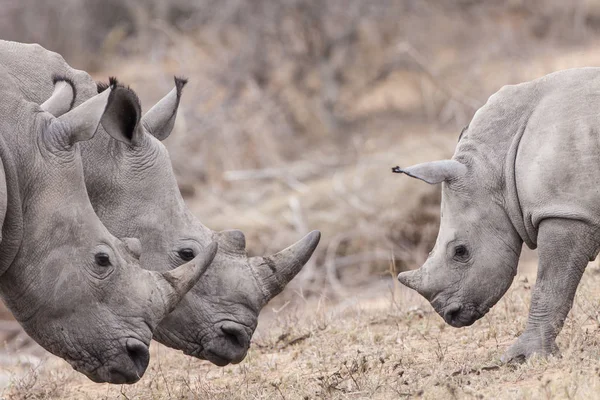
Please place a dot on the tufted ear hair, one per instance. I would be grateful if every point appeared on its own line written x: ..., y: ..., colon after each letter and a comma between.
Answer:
x: 160, y: 119
x: 434, y: 172
x: 122, y: 117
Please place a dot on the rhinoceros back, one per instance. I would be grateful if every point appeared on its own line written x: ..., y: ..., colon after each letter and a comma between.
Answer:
x: 545, y: 136
x: 557, y: 166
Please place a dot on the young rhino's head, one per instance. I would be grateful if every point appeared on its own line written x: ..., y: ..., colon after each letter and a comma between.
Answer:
x: 217, y: 318
x: 477, y: 250
x: 76, y: 289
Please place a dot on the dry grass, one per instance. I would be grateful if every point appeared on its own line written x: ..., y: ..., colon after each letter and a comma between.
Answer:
x: 278, y: 144
x: 296, y: 110
x: 385, y: 343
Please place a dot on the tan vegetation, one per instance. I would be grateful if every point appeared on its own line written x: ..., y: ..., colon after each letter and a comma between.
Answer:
x: 294, y: 114
x: 385, y: 343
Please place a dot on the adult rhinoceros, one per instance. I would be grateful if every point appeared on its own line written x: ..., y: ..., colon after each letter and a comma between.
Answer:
x: 526, y: 169
x: 134, y: 192
x: 76, y: 289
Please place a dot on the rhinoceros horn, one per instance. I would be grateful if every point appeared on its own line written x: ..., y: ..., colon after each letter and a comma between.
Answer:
x: 181, y: 279
x: 412, y: 279
x: 275, y: 271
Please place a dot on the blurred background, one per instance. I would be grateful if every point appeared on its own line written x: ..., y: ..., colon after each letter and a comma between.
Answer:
x: 297, y: 109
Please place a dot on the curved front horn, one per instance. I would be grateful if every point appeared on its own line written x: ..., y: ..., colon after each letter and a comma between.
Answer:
x: 179, y: 281
x: 274, y: 272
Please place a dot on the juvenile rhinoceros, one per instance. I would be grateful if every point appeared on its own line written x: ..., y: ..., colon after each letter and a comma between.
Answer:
x: 76, y: 289
x: 526, y: 169
x: 134, y: 192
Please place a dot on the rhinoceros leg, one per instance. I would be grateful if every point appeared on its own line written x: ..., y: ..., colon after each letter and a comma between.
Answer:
x: 565, y: 247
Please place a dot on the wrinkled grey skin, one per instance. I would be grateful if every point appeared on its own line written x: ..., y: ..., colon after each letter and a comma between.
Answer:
x: 77, y: 290
x: 134, y: 192
x: 525, y: 170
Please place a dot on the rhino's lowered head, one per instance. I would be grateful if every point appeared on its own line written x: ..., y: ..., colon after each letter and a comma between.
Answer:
x: 217, y: 318
x: 76, y: 289
x: 477, y: 250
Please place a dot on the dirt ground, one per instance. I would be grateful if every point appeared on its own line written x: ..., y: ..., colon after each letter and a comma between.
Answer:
x: 366, y: 338
x: 385, y: 342
x: 266, y: 155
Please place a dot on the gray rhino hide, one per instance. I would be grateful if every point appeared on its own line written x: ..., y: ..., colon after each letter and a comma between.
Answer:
x: 75, y: 288
x: 532, y: 157
x: 134, y: 192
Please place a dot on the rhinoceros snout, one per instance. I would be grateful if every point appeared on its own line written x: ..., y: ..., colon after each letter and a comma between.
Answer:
x: 139, y: 354
x: 458, y: 315
x: 127, y: 368
x: 236, y: 335
x: 230, y: 346
x: 452, y: 313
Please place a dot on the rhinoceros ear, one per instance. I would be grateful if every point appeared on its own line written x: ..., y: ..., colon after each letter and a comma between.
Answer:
x: 81, y: 122
x: 435, y: 171
x: 160, y: 119
x: 63, y: 97
x: 122, y: 117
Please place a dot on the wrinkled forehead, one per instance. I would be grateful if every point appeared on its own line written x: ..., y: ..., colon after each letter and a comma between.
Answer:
x: 231, y: 277
x: 149, y: 161
x: 461, y: 206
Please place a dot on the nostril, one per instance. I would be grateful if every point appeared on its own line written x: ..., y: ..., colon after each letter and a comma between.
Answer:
x: 139, y: 354
x: 234, y: 334
x: 452, y: 312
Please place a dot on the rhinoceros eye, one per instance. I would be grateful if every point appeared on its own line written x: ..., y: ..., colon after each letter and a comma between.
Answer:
x: 102, y: 259
x: 186, y: 254
x: 461, y: 253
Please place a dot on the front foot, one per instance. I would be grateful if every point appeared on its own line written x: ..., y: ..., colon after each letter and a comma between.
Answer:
x: 528, y: 345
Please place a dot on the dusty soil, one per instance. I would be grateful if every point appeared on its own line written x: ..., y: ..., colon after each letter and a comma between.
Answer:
x: 344, y: 329
x: 385, y: 342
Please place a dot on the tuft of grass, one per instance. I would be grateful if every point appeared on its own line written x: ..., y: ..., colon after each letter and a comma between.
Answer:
x: 378, y: 347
